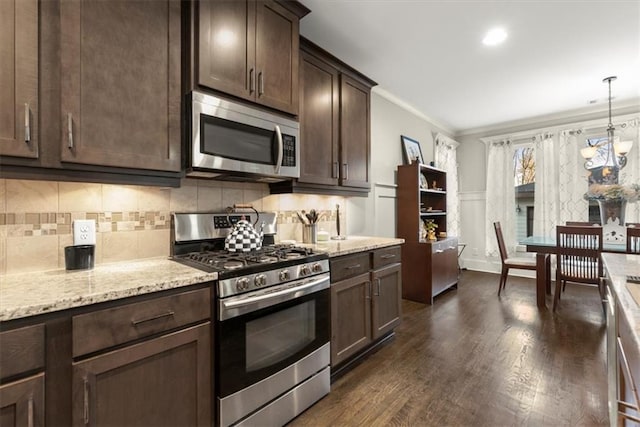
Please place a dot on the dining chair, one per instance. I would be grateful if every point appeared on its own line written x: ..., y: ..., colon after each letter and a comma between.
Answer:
x: 633, y: 240
x: 632, y: 224
x: 510, y: 262
x: 581, y: 223
x: 578, y: 258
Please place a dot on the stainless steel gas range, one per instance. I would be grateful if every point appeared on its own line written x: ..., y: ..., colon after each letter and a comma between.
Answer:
x: 272, y: 333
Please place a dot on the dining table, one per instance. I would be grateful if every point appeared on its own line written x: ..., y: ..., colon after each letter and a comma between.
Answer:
x: 544, y: 246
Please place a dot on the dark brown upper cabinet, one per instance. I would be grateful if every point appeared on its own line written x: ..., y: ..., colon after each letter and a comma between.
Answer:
x: 120, y: 83
x: 335, y: 122
x: 19, y: 78
x: 249, y: 49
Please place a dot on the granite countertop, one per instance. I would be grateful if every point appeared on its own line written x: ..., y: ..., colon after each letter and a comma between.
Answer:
x: 30, y: 294
x: 354, y: 244
x: 619, y: 266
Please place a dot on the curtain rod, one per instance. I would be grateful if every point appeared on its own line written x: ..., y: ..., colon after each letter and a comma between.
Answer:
x: 572, y: 128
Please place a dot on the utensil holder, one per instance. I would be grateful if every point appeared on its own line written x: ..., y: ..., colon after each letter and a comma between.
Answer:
x: 81, y: 257
x: 309, y: 233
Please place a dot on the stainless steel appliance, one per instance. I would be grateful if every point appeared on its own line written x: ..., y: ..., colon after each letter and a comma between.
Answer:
x: 272, y: 331
x: 233, y: 141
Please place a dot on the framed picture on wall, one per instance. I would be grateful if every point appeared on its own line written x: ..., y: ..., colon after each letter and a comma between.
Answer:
x: 411, y: 150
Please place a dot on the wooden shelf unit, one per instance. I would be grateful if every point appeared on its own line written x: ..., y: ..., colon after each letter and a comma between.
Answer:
x: 430, y: 267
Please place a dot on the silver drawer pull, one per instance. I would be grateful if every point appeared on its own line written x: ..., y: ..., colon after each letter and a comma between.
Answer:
x: 30, y: 412
x: 260, y: 83
x: 388, y: 256
x: 86, y: 401
x: 149, y: 319
x: 351, y: 267
x: 27, y: 127
x: 70, y: 131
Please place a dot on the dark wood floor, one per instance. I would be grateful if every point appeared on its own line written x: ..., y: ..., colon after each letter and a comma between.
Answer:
x: 474, y: 358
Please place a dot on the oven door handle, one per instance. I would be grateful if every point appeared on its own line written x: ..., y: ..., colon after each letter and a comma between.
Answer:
x: 231, y: 309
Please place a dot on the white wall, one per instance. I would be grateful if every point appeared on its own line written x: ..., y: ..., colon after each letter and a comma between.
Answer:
x: 375, y: 214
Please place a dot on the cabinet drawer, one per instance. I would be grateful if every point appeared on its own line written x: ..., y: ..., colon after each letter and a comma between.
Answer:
x: 349, y: 266
x: 105, y: 328
x: 21, y: 350
x: 444, y: 245
x: 631, y: 351
x: 386, y: 256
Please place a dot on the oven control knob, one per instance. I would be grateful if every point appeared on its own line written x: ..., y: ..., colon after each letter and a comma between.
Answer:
x: 260, y: 280
x: 304, y: 270
x: 242, y: 284
x: 284, y: 275
x: 317, y: 268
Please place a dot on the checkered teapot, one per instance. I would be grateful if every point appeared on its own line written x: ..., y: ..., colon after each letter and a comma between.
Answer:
x: 243, y: 237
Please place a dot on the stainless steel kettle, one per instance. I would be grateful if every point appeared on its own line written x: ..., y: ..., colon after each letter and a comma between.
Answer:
x: 243, y: 237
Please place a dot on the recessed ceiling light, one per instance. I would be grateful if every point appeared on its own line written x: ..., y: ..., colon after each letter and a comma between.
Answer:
x: 494, y: 37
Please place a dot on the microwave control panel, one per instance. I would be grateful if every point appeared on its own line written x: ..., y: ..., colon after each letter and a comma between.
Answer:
x: 289, y: 150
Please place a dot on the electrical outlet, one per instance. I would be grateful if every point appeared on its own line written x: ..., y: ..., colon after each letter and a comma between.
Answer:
x: 84, y: 232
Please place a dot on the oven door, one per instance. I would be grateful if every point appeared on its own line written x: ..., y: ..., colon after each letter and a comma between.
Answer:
x: 231, y: 137
x: 256, y: 344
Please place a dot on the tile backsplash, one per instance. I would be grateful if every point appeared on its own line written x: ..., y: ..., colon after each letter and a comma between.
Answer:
x: 132, y: 222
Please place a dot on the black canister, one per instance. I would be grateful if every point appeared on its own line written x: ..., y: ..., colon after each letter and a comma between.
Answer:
x: 80, y: 257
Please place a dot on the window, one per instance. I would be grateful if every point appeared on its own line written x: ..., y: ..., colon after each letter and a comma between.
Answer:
x: 524, y: 176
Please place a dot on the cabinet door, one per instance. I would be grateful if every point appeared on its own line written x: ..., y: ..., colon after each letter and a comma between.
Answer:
x: 19, y: 78
x: 387, y: 299
x: 444, y: 264
x: 354, y: 133
x: 226, y: 46
x: 277, y: 43
x: 120, y: 84
x: 319, y: 90
x: 22, y: 402
x: 350, y: 317
x: 165, y: 381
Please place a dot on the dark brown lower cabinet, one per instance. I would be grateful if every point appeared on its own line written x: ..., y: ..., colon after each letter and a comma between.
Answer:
x: 430, y: 268
x: 22, y: 402
x: 387, y: 299
x: 365, y: 303
x: 350, y: 317
x: 165, y: 381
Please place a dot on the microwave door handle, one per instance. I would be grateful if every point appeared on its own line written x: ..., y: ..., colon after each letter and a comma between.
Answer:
x: 280, y: 149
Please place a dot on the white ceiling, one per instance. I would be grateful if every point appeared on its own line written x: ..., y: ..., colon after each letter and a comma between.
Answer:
x: 429, y: 54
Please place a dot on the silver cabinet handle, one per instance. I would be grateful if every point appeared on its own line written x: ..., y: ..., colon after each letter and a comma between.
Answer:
x: 252, y: 81
x: 351, y: 267
x: 27, y: 127
x: 86, y: 401
x: 334, y: 172
x: 260, y: 83
x: 30, y: 412
x: 378, y: 286
x: 388, y: 256
x: 346, y: 171
x: 369, y: 290
x: 149, y: 319
x: 280, y: 149
x: 70, y: 131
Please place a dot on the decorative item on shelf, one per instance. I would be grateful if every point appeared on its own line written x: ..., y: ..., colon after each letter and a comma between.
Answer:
x: 423, y: 182
x: 411, y: 150
x: 431, y: 226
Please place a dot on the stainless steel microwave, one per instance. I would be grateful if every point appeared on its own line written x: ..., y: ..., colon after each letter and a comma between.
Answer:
x: 234, y: 141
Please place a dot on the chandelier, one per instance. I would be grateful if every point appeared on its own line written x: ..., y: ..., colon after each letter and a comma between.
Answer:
x: 616, y: 150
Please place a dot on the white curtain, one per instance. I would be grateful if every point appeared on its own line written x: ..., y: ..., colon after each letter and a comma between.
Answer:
x: 572, y: 179
x: 631, y: 173
x: 501, y: 196
x: 446, y: 159
x: 560, y: 183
